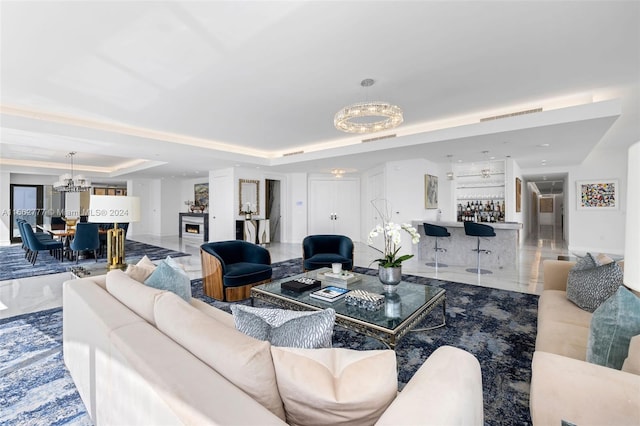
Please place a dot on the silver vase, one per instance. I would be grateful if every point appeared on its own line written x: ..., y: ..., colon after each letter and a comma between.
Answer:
x: 390, y: 277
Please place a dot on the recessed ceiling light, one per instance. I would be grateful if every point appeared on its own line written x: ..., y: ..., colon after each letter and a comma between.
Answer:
x: 492, y: 158
x: 544, y: 145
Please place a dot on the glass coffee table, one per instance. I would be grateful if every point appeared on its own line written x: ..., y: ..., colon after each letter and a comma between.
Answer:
x: 402, y: 310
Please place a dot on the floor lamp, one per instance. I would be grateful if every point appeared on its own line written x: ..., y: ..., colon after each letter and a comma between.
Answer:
x: 114, y: 209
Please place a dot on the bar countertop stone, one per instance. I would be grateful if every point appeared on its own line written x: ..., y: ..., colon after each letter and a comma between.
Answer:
x: 459, y: 246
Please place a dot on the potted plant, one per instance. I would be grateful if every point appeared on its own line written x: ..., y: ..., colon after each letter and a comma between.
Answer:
x: 390, y: 265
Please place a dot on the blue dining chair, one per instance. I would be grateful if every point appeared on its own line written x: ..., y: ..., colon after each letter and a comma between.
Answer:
x: 35, y: 245
x: 85, y: 239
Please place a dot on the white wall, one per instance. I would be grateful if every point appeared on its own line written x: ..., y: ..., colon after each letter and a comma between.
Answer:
x: 405, y: 192
x: 295, y: 209
x: 170, y: 205
x: 598, y: 230
x: 150, y: 193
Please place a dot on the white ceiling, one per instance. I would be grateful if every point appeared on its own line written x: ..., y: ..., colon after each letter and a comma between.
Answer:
x: 178, y: 88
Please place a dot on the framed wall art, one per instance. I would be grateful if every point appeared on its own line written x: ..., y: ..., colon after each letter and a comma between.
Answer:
x: 430, y: 192
x: 546, y: 205
x: 201, y: 194
x: 597, y: 194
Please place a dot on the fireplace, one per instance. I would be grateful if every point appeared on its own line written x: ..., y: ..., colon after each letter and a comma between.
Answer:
x: 194, y: 226
x: 191, y: 228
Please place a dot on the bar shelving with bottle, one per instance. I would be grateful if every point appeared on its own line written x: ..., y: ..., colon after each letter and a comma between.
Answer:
x: 480, y: 191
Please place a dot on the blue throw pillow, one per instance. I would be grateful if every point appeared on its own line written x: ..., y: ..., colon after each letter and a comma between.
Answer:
x: 281, y: 327
x: 169, y: 275
x: 613, y: 325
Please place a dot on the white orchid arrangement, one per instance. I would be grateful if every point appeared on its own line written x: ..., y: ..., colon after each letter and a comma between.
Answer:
x: 392, y: 239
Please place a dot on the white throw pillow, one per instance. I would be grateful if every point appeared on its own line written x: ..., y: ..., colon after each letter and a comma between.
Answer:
x: 141, y: 270
x: 335, y: 386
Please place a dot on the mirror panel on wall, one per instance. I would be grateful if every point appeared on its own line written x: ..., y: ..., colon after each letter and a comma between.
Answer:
x: 249, y: 197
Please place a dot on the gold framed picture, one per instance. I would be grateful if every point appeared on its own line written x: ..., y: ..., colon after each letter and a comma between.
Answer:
x: 546, y: 205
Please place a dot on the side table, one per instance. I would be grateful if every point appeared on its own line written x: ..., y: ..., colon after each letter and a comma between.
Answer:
x: 81, y: 271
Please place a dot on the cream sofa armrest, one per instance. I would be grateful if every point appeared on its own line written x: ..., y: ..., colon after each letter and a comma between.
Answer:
x: 446, y: 389
x: 632, y: 363
x: 581, y: 393
x: 556, y: 273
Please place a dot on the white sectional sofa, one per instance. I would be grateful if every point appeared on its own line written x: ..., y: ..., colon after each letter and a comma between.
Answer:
x: 141, y: 356
x: 564, y: 386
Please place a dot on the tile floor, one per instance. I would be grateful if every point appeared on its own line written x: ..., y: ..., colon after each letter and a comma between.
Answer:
x: 45, y: 292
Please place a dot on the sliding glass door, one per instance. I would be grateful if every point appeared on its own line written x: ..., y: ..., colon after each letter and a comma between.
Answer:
x: 26, y: 203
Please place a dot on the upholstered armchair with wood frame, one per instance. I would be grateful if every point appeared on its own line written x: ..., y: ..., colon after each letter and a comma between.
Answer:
x: 231, y: 268
x: 319, y: 251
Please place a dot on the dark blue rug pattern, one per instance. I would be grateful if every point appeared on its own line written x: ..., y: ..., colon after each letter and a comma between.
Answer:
x: 497, y: 326
x: 13, y: 265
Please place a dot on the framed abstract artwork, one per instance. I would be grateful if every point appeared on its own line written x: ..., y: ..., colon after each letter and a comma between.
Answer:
x: 597, y: 194
x: 430, y: 192
x: 201, y: 194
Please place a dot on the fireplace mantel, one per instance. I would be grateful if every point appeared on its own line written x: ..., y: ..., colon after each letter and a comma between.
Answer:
x: 200, y: 219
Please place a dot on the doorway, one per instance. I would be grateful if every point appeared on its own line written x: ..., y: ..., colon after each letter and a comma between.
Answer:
x: 273, y: 208
x: 25, y: 202
x: 544, y: 215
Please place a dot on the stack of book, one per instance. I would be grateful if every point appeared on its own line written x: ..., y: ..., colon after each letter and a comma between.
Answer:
x: 330, y: 293
x: 301, y: 285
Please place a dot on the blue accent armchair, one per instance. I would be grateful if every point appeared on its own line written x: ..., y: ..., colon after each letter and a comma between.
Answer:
x: 231, y: 268
x: 319, y: 251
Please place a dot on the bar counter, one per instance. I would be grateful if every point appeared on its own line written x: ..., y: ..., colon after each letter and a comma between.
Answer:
x: 504, y: 246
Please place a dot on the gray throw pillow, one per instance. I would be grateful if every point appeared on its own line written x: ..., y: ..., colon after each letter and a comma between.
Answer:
x: 589, y: 288
x: 169, y: 275
x: 613, y: 325
x: 295, y: 329
x: 585, y: 262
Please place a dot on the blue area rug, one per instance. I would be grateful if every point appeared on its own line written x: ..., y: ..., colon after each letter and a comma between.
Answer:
x: 497, y: 326
x: 35, y: 387
x: 13, y: 265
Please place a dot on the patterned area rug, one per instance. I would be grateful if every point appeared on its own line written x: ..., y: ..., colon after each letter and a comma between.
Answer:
x: 35, y: 387
x: 497, y: 326
x: 13, y: 265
